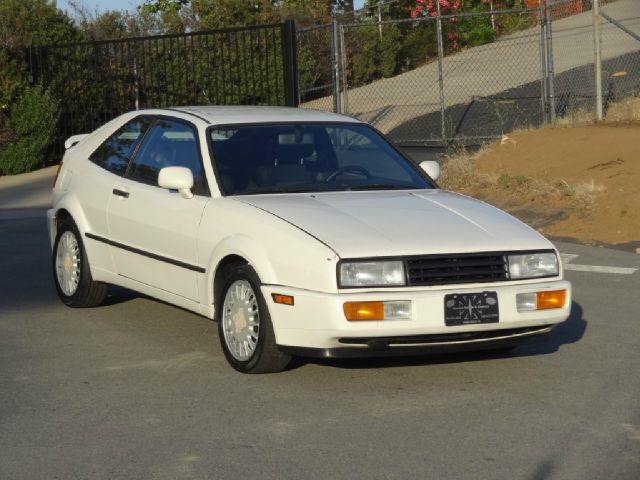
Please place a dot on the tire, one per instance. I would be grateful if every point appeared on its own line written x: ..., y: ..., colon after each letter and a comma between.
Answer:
x: 71, y: 271
x: 244, y: 325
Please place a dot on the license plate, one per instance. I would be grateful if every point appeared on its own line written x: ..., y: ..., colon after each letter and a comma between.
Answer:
x: 470, y: 308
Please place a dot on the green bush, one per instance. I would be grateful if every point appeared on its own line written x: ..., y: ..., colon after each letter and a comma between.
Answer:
x: 474, y: 31
x: 370, y: 56
x: 419, y: 45
x: 33, y: 119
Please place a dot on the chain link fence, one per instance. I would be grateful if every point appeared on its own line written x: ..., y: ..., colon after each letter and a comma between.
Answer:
x: 620, y: 52
x: 576, y: 89
x: 466, y: 78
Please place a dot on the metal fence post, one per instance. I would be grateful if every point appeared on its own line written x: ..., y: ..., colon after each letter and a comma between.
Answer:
x: 290, y: 64
x: 335, y: 49
x: 550, y: 73
x: 440, y: 74
x: 543, y: 65
x: 31, y: 76
x: 136, y: 85
x: 345, y: 85
x: 597, y: 59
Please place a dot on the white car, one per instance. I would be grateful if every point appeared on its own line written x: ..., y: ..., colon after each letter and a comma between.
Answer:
x: 301, y: 232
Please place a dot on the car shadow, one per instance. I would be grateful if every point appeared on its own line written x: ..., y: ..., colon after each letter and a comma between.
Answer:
x: 117, y: 295
x: 566, y: 333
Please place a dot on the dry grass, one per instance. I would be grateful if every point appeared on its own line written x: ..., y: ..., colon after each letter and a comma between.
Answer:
x: 576, y: 118
x: 622, y: 111
x: 459, y: 174
x: 627, y: 110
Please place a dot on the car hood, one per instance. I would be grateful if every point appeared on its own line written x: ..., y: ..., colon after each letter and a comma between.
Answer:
x: 390, y: 223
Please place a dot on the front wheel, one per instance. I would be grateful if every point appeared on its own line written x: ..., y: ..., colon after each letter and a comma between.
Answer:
x: 71, y: 272
x: 244, y: 325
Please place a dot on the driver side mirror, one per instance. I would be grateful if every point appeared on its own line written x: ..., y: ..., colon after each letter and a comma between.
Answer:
x: 432, y: 169
x: 177, y: 178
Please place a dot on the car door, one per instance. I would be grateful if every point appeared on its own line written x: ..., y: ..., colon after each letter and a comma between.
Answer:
x: 106, y: 164
x: 153, y: 230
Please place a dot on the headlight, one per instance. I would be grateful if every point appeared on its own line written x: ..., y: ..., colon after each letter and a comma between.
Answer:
x: 371, y: 274
x: 532, y: 265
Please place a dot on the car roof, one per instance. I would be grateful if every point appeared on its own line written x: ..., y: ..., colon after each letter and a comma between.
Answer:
x: 238, y: 114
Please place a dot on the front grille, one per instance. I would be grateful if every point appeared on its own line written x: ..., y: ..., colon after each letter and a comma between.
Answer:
x: 460, y: 268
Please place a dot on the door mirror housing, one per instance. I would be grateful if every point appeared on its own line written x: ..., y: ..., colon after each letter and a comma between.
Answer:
x: 177, y: 178
x: 432, y: 169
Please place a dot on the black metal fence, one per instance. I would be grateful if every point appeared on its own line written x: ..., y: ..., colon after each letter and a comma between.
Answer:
x: 96, y: 81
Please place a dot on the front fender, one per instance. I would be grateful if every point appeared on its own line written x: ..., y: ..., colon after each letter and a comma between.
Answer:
x: 279, y: 252
x: 249, y: 249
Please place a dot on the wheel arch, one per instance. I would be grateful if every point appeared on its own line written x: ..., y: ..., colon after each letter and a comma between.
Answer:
x: 237, y: 250
x: 68, y: 207
x: 223, y: 270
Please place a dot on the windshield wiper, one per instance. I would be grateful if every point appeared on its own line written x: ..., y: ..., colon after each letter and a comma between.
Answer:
x: 382, y: 186
x: 266, y: 190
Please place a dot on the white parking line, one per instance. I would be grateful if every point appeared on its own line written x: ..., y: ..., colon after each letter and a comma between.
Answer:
x: 568, y: 257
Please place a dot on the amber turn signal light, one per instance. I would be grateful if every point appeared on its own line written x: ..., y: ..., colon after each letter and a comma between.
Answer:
x: 282, y: 299
x: 356, y: 311
x: 552, y: 299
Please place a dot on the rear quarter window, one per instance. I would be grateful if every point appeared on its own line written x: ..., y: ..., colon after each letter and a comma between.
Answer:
x: 116, y: 151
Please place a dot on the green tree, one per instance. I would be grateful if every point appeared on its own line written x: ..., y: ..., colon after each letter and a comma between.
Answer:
x: 33, y: 123
x: 23, y: 24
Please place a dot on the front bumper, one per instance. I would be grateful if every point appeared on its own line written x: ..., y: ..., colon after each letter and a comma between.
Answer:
x: 316, y: 325
x: 426, y: 344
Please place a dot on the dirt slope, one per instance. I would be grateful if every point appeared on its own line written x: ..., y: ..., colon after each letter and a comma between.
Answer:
x: 579, y: 182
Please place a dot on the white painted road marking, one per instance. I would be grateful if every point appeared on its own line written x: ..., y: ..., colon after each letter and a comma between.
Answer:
x: 568, y: 257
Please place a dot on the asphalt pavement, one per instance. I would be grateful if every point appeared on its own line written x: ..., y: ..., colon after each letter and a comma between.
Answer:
x: 138, y: 389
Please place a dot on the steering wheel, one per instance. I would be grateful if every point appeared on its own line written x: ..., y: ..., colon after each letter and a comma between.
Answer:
x: 349, y: 168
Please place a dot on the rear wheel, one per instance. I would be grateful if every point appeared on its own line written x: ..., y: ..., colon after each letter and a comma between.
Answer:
x: 71, y: 272
x: 244, y: 325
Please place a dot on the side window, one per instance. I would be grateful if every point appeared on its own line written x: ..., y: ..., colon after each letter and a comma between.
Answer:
x: 115, y: 152
x: 168, y: 144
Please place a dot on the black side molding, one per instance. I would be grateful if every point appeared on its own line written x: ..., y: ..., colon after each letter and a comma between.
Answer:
x: 144, y: 253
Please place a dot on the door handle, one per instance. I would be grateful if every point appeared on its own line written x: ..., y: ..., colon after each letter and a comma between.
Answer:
x: 120, y: 193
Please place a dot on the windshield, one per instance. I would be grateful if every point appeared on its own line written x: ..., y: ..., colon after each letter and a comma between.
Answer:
x: 256, y: 159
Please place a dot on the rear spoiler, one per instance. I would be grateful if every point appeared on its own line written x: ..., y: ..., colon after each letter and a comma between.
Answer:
x: 73, y: 140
